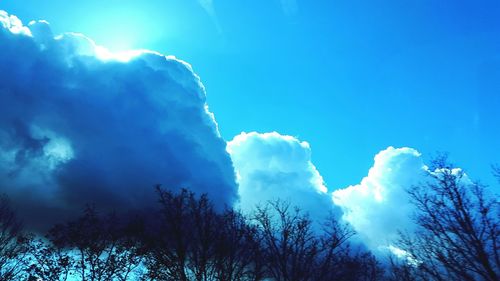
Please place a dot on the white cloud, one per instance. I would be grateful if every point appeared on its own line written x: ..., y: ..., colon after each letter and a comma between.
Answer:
x: 80, y: 124
x: 13, y: 24
x: 271, y: 166
x: 379, y: 206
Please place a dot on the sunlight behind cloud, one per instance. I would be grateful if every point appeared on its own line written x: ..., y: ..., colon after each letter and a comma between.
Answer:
x: 122, y: 56
x: 119, y: 38
x: 128, y: 28
x: 79, y: 120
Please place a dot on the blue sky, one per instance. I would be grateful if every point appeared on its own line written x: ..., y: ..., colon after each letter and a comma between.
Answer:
x: 349, y: 77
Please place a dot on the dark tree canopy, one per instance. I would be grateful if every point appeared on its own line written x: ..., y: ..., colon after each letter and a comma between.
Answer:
x: 13, y: 243
x: 185, y: 238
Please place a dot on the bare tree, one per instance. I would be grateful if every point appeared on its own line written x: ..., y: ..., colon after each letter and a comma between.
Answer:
x: 295, y: 249
x: 96, y: 247
x: 181, y: 243
x: 48, y: 262
x: 238, y: 254
x: 335, y: 261
x: 289, y: 243
x: 13, y: 244
x: 400, y: 270
x: 357, y: 266
x: 496, y: 171
x: 459, y: 230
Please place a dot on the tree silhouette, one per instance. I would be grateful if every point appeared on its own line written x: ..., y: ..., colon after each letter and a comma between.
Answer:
x: 360, y: 266
x: 14, y: 245
x: 95, y: 249
x: 290, y: 247
x: 180, y: 243
x: 496, y: 171
x: 459, y: 230
x: 297, y: 250
x: 186, y: 239
x: 48, y: 262
x: 238, y: 254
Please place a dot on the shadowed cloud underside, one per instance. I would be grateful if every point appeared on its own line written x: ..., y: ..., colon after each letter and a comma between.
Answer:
x: 80, y: 125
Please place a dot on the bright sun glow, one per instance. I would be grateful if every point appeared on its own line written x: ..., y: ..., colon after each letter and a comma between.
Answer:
x: 122, y: 56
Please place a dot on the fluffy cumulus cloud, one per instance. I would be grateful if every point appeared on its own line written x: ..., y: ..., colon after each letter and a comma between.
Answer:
x: 379, y: 206
x: 79, y: 124
x: 271, y: 166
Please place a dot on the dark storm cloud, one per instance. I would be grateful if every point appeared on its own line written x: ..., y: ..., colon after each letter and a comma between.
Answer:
x: 81, y: 125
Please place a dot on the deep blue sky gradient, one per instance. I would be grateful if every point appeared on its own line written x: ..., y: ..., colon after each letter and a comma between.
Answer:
x: 350, y: 77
